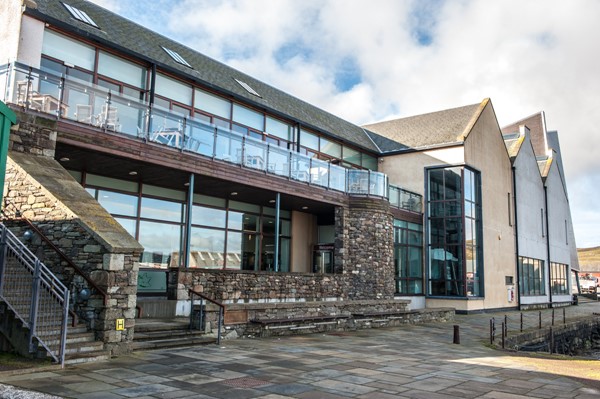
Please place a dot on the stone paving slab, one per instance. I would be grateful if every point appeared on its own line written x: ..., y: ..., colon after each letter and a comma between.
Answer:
x: 402, y: 362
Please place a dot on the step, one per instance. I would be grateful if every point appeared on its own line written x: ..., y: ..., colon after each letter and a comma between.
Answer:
x: 87, y: 357
x: 172, y: 343
x: 84, y: 347
x: 73, y: 339
x: 166, y: 334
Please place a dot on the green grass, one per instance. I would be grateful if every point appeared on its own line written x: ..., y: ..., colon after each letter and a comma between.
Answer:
x: 11, y: 361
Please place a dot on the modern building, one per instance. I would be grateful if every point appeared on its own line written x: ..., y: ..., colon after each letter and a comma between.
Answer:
x: 158, y: 171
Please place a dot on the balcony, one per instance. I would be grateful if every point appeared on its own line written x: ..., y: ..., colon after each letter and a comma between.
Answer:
x: 98, y: 107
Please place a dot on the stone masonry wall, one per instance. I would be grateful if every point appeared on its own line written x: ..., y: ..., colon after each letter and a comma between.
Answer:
x: 246, y: 286
x: 34, y: 134
x: 368, y: 236
x: 113, y: 272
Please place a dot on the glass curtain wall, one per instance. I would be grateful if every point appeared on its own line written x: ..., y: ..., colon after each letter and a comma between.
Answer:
x: 225, y: 234
x: 454, y: 227
x: 408, y: 257
x: 559, y: 275
x: 532, y: 276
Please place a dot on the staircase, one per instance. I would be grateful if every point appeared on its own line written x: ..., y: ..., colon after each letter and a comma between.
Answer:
x: 167, y: 333
x: 82, y: 347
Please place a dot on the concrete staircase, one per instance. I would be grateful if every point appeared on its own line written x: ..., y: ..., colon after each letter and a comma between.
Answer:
x: 82, y: 347
x: 167, y: 333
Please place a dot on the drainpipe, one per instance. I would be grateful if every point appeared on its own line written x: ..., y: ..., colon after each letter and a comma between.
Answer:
x: 276, y: 251
x: 548, y: 246
x: 188, y: 222
x: 516, y: 227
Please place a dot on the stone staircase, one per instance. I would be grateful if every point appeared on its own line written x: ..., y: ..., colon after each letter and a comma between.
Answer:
x: 167, y: 333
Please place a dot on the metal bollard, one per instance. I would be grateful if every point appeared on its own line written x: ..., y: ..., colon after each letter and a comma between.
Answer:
x: 502, y: 335
x: 456, y: 335
x: 521, y: 322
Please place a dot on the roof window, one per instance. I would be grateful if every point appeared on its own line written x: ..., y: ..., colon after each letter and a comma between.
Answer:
x: 179, y: 59
x: 247, y: 87
x: 80, y: 15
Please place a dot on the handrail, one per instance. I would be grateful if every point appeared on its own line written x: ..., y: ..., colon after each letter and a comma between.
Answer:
x: 219, y: 304
x: 66, y: 259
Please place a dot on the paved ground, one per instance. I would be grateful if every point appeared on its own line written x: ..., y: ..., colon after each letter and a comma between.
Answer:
x: 405, y: 362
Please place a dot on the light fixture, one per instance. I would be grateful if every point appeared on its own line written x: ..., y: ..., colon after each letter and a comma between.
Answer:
x: 27, y: 235
x: 64, y: 159
x: 234, y: 193
x: 271, y: 201
x: 187, y: 184
x: 305, y: 207
x: 133, y: 173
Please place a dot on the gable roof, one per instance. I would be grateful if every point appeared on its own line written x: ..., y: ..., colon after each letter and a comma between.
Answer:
x: 128, y: 37
x: 513, y: 143
x: 537, y: 128
x: 439, y: 128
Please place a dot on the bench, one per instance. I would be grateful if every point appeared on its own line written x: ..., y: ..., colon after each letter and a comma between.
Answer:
x: 298, y: 322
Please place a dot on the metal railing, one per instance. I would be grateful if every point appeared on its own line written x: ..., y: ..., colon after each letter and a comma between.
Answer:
x: 404, y: 199
x: 83, y: 102
x: 197, y: 319
x: 35, y: 295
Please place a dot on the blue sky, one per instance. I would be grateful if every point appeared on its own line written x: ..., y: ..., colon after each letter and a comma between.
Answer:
x: 368, y: 61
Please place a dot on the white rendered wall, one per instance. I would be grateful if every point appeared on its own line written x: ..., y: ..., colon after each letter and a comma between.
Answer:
x: 10, y: 28
x: 30, y: 42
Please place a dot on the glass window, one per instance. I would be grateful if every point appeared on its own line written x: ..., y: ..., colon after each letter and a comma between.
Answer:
x: 275, y: 127
x: 369, y: 162
x: 128, y: 224
x: 121, y: 70
x: 242, y: 206
x: 210, y: 201
x: 163, y: 192
x: 309, y: 140
x: 162, y: 244
x: 452, y: 270
x: 208, y: 216
x: 108, y: 182
x: 68, y: 50
x: 532, y: 275
x: 117, y: 203
x: 158, y: 209
x: 212, y: 104
x: 408, y: 258
x: 331, y: 148
x: 559, y: 278
x: 242, y: 221
x: 248, y: 117
x: 173, y: 89
x: 351, y: 155
x: 207, y: 248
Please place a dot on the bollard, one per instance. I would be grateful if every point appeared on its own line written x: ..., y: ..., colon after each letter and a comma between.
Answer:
x: 564, y: 316
x: 506, y: 325
x: 540, y: 320
x: 492, y: 331
x: 456, y: 335
x: 552, y: 316
x: 502, y: 335
x: 551, y: 344
x: 521, y: 322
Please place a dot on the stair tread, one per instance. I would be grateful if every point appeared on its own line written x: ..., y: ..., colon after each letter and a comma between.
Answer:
x: 169, y: 343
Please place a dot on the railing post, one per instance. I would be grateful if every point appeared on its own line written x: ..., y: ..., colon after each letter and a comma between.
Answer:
x: 521, y: 321
x: 2, y: 256
x: 219, y: 326
x: 61, y: 96
x: 540, y: 320
x: 214, y: 147
x: 35, y: 291
x: 552, y: 316
x: 183, y: 130
x: 191, y: 309
x: 63, y: 335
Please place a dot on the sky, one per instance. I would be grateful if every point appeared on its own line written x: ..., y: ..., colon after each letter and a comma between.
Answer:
x: 373, y: 60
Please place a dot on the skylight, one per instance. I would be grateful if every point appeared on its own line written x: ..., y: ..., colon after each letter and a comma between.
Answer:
x: 247, y: 87
x: 80, y: 15
x: 179, y: 59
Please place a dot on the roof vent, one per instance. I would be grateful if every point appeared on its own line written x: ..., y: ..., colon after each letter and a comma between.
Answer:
x: 176, y: 57
x: 247, y: 87
x: 80, y: 15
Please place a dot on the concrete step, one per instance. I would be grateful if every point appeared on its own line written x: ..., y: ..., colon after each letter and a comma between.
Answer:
x: 86, y: 357
x: 173, y: 342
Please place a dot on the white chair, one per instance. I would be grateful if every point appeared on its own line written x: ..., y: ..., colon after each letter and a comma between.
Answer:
x: 83, y: 113
x: 109, y: 118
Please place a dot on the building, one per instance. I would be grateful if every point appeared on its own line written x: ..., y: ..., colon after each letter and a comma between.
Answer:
x: 159, y: 171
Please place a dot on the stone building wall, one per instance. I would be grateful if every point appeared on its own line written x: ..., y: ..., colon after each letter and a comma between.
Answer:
x: 34, y: 135
x: 369, y: 247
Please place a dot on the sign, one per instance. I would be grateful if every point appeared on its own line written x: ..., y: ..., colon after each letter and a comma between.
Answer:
x: 120, y: 324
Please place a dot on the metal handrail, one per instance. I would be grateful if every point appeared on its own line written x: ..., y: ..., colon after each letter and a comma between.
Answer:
x: 202, y: 298
x: 48, y: 303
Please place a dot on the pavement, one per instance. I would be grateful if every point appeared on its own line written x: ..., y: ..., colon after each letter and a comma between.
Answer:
x: 402, y: 362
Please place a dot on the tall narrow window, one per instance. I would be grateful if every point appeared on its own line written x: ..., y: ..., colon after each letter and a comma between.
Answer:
x: 408, y: 257
x: 454, y: 226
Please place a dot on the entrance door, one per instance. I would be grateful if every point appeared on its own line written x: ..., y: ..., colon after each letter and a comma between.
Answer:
x: 323, y: 259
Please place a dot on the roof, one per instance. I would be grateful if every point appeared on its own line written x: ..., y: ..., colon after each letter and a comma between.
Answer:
x: 537, y: 128
x: 513, y: 143
x: 439, y: 128
x: 126, y: 36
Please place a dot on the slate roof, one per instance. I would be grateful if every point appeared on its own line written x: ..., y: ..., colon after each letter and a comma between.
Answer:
x: 126, y: 36
x: 537, y: 128
x: 513, y: 144
x: 439, y: 128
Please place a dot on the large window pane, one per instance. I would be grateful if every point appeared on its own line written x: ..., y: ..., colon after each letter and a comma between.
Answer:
x: 351, y: 155
x: 162, y: 210
x: 331, y: 148
x: 277, y: 128
x: 248, y: 117
x: 162, y: 244
x: 68, y: 50
x: 173, y: 89
x: 121, y: 70
x: 212, y: 104
x: 117, y: 203
x: 207, y: 248
x: 208, y: 216
x: 309, y: 140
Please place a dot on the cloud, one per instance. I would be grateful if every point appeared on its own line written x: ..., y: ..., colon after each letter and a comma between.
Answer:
x: 410, y: 57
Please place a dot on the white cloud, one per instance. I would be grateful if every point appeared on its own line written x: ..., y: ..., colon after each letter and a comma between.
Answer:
x: 527, y: 56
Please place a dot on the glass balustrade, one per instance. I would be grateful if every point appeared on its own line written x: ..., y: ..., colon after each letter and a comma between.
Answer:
x: 83, y: 102
x: 405, y: 199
